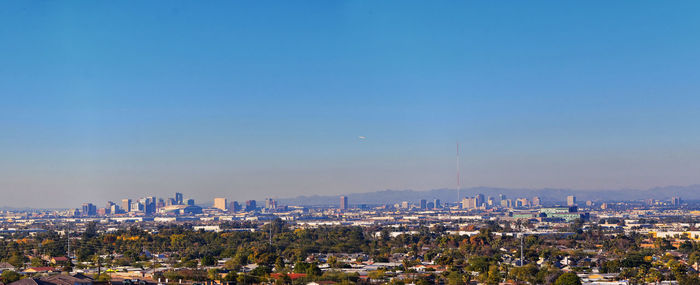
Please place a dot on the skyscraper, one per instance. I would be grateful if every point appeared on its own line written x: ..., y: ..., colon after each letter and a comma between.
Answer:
x: 479, y: 199
x: 571, y: 201
x: 522, y: 203
x: 343, y: 202
x: 270, y: 203
x: 250, y: 205
x: 126, y: 205
x: 114, y: 209
x: 221, y: 204
x: 469, y: 203
x: 423, y: 204
x: 536, y: 201
x: 178, y: 198
x: 233, y: 207
x: 150, y: 205
x: 437, y: 203
x: 676, y: 201
x: 89, y: 209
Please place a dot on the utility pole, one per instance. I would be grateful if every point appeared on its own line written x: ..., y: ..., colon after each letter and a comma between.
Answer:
x: 522, y: 253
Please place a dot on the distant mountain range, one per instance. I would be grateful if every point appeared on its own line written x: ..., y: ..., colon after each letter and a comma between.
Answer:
x: 691, y: 192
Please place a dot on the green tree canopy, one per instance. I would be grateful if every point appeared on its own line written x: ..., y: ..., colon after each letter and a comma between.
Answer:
x: 568, y: 278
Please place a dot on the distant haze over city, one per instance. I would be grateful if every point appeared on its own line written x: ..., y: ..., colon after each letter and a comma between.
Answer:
x: 388, y: 197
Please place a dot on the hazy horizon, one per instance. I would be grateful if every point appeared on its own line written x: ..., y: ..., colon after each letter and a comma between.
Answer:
x: 247, y: 100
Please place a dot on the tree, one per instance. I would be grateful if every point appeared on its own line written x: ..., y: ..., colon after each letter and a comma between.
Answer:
x: 524, y: 273
x: 9, y: 276
x: 208, y: 261
x: 568, y: 278
x: 279, y: 264
x: 36, y: 262
x: 494, y: 276
x: 213, y: 274
x: 17, y: 260
x: 231, y: 277
x: 455, y: 278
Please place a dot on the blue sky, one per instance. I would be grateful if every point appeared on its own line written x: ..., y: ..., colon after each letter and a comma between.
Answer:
x: 250, y: 99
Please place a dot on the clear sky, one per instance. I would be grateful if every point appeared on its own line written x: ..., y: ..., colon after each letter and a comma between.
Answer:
x: 104, y: 100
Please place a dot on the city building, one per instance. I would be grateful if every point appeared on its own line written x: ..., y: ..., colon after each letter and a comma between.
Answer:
x: 221, y: 204
x: 270, y: 204
x: 570, y: 201
x: 89, y: 209
x: 676, y: 201
x: 178, y: 198
x: 522, y: 203
x: 126, y: 205
x: 469, y: 203
x: 490, y: 201
x: 250, y: 205
x: 343, y: 202
x: 480, y: 200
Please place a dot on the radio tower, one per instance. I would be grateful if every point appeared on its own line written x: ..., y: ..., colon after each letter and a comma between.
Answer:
x: 459, y: 182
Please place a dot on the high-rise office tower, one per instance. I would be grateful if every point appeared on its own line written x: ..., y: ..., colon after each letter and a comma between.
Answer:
x: 178, y: 198
x: 343, y: 202
x: 479, y: 199
x: 89, y: 209
x: 437, y: 203
x: 522, y: 203
x: 137, y: 206
x: 221, y: 204
x: 423, y: 204
x: 233, y: 207
x: 150, y: 205
x: 126, y: 205
x: 250, y: 205
x: 536, y: 201
x: 571, y: 201
x: 270, y: 203
x: 114, y: 209
x: 676, y: 201
x: 469, y: 203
